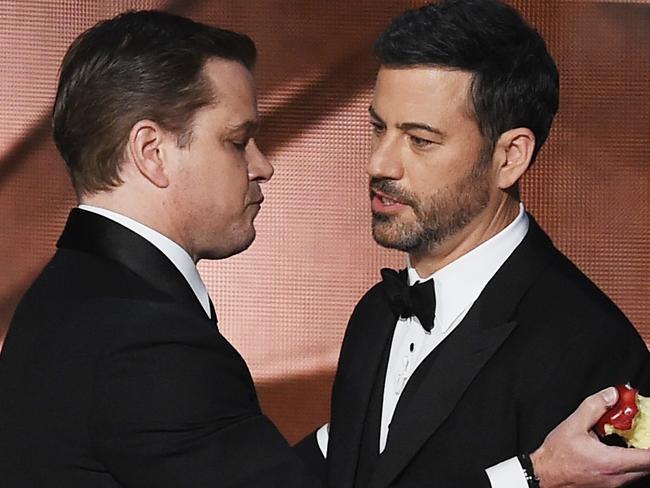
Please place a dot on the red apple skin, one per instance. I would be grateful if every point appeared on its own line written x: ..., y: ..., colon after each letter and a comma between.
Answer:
x: 621, y: 415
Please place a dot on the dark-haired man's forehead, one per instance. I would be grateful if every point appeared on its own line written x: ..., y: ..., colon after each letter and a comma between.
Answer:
x: 422, y: 97
x: 408, y: 125
x: 440, y: 67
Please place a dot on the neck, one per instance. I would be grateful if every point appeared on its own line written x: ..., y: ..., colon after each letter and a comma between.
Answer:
x: 486, y: 225
x: 147, y: 211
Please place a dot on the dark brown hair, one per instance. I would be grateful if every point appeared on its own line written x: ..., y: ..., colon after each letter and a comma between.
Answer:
x: 138, y: 65
x: 515, y: 80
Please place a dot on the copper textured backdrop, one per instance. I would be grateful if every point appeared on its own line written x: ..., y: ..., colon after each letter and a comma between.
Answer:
x: 285, y: 302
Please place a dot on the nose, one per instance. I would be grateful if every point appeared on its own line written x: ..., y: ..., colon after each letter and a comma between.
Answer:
x: 259, y: 168
x: 385, y: 159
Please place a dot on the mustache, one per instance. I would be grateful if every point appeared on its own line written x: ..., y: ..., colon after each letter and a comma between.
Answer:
x: 391, y: 189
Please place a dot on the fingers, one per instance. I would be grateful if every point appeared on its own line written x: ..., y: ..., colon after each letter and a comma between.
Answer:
x: 629, y: 460
x: 572, y: 455
x: 592, y: 408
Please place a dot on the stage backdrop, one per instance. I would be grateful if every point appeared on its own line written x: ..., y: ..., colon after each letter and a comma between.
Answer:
x: 285, y: 302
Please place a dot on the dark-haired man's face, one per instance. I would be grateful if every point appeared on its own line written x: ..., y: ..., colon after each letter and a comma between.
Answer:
x: 217, y: 177
x: 430, y: 175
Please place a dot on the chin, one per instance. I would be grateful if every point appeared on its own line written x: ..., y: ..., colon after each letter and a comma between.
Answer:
x: 394, y: 235
x: 235, y: 245
x: 245, y: 243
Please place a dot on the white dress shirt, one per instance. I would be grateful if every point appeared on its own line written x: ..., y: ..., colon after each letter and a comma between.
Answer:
x: 457, y: 287
x: 175, y: 253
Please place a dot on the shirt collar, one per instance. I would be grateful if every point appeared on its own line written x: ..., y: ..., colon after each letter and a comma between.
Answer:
x: 175, y: 253
x: 460, y: 283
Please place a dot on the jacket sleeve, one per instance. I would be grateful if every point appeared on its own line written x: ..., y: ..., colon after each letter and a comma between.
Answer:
x: 175, y: 407
x: 310, y: 453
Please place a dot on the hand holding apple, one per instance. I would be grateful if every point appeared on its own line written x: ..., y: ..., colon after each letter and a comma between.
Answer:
x: 629, y: 418
x: 572, y: 456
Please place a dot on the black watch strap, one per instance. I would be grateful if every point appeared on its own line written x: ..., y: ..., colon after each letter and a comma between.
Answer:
x: 529, y: 472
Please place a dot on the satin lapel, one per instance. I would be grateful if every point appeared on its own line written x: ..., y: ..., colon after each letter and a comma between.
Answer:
x: 464, y: 352
x: 95, y: 234
x: 487, y: 325
x: 369, y: 333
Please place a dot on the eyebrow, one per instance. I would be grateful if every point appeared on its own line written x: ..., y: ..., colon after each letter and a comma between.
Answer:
x: 408, y: 125
x: 248, y: 127
x: 374, y: 114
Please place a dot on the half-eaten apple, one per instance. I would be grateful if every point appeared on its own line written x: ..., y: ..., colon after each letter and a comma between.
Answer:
x: 629, y: 418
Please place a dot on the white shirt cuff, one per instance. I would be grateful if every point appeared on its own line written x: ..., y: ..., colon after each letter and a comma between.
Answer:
x: 323, y: 437
x: 508, y: 474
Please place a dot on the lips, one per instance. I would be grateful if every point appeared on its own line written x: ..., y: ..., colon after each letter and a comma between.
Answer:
x: 384, y: 203
x: 257, y: 200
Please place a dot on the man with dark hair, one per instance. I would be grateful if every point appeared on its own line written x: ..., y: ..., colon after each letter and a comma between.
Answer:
x: 114, y: 373
x: 490, y: 336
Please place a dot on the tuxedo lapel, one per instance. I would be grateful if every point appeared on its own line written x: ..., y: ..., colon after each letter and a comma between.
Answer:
x: 369, y: 334
x: 430, y: 399
x: 423, y: 409
x: 95, y: 234
x: 213, y: 313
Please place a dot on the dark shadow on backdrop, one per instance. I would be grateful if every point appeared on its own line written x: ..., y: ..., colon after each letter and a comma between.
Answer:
x: 299, y: 404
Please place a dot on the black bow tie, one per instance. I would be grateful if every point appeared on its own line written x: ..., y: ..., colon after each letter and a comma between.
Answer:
x: 406, y: 301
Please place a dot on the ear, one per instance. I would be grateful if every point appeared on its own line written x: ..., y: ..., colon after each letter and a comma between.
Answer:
x: 145, y: 149
x: 514, y: 151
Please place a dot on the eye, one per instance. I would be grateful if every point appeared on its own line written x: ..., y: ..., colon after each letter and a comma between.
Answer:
x: 377, y: 128
x: 240, y: 145
x: 419, y: 142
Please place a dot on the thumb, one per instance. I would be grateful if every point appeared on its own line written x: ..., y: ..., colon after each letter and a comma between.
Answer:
x: 593, y: 407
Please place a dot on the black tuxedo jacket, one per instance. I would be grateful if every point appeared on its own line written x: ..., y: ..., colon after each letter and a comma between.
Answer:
x: 540, y: 338
x: 112, y: 375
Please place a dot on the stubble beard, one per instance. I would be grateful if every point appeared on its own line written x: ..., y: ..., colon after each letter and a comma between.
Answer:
x: 438, y: 217
x: 229, y: 241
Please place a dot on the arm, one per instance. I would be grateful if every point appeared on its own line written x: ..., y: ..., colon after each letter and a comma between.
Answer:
x: 175, y: 407
x: 572, y: 456
x: 589, y: 362
x: 311, y: 453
